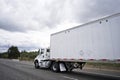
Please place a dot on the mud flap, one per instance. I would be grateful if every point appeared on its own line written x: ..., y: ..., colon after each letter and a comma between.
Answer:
x: 62, y: 67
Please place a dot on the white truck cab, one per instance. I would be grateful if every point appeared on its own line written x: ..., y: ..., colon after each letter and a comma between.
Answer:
x: 42, y: 59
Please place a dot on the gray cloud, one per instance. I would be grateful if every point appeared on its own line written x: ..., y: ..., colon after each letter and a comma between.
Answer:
x: 10, y: 26
x: 36, y: 15
x: 28, y: 15
x: 33, y: 20
x: 97, y: 8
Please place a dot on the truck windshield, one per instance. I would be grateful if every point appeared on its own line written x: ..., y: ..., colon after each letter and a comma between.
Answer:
x: 42, y: 51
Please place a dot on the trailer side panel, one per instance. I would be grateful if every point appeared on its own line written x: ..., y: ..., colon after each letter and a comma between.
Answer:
x: 98, y: 40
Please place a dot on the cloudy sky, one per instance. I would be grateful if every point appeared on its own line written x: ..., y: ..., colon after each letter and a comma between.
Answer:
x: 29, y: 23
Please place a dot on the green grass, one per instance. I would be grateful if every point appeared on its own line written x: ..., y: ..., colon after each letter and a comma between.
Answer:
x: 28, y: 56
x: 100, y: 65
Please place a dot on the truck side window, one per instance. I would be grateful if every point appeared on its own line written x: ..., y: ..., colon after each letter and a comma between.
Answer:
x: 48, y: 50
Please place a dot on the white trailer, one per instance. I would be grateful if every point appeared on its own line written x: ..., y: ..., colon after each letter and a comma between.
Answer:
x: 94, y: 41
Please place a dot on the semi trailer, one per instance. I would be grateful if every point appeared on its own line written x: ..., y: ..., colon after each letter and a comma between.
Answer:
x: 95, y: 41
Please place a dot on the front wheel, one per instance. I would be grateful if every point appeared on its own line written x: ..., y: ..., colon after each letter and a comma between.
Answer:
x: 55, y: 67
x: 36, y: 64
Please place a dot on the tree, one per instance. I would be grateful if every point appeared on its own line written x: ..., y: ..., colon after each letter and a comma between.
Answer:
x: 13, y: 52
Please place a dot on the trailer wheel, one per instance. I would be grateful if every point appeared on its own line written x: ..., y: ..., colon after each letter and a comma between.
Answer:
x: 55, y: 67
x: 36, y: 64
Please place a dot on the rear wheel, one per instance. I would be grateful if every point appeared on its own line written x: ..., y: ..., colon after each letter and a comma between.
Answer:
x: 55, y: 67
x: 36, y: 64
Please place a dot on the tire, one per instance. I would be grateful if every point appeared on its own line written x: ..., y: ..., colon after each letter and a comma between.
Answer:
x: 55, y: 67
x: 36, y: 64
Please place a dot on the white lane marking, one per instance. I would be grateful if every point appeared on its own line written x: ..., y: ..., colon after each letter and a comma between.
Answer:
x: 70, y: 78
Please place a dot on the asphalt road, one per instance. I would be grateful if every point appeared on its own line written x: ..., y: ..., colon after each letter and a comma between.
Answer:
x: 21, y: 70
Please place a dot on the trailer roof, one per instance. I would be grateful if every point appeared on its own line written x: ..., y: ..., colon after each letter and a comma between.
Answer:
x: 104, y: 18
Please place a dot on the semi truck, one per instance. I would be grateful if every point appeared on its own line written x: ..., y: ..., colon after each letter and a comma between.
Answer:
x: 95, y: 41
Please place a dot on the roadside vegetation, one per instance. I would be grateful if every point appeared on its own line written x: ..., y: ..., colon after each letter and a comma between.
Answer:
x: 24, y: 55
x: 14, y: 53
x: 103, y: 65
x: 4, y: 55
